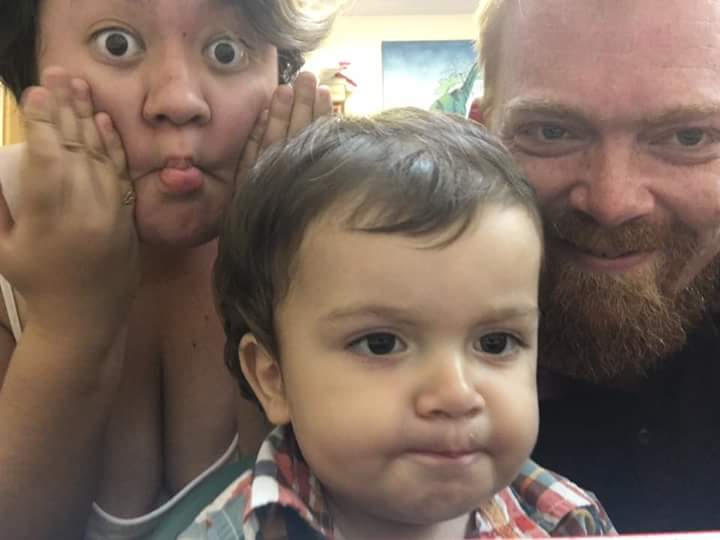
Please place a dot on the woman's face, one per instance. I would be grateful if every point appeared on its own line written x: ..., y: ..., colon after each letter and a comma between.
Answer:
x: 184, y: 82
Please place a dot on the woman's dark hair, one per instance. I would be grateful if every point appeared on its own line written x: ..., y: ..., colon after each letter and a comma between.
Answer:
x: 289, y: 25
x: 18, y: 66
x: 405, y: 171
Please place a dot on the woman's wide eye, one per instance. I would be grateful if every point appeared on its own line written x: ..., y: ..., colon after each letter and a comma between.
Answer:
x: 378, y: 344
x: 117, y: 44
x: 496, y: 343
x: 228, y: 53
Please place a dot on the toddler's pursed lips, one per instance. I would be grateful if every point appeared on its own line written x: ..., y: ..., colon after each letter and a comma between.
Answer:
x: 452, y: 444
x: 444, y: 453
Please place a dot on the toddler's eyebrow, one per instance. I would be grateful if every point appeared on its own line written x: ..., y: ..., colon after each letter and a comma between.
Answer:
x: 377, y: 310
x: 404, y: 316
x: 511, y: 313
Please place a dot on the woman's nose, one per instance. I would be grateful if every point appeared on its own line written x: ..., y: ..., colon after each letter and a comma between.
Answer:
x: 175, y: 95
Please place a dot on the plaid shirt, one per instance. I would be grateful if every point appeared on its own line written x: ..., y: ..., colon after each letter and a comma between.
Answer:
x: 280, y: 498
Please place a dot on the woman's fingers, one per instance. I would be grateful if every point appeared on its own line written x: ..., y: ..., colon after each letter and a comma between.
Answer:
x: 115, y: 151
x: 305, y: 88
x: 292, y: 109
x: 323, y: 103
x: 252, y: 146
x: 85, y: 112
x: 72, y: 230
x: 112, y: 144
x: 281, y: 110
x: 57, y: 81
x: 39, y: 191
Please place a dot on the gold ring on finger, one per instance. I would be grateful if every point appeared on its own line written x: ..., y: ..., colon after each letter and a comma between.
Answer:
x: 129, y: 197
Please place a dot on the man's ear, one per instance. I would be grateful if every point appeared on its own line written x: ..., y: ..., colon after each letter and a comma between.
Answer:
x: 479, y: 111
x: 262, y: 372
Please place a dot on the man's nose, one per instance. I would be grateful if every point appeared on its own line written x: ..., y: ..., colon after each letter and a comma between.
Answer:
x: 612, y: 189
x: 447, y: 389
x: 175, y: 95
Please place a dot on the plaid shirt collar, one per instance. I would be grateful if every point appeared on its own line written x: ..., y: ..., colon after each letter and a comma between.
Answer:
x: 282, y: 498
x: 282, y: 479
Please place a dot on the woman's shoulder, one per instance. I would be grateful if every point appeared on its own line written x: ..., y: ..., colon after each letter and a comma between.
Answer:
x: 10, y: 157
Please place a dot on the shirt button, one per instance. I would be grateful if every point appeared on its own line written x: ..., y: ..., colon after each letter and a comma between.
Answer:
x: 643, y: 436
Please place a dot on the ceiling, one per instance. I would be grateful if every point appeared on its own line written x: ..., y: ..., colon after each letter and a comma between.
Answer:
x: 411, y: 7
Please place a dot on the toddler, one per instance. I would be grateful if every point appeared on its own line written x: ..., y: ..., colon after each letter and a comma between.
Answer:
x: 378, y: 280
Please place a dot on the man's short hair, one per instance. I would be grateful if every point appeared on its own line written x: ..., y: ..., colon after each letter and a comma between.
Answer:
x: 405, y: 171
x: 490, y: 17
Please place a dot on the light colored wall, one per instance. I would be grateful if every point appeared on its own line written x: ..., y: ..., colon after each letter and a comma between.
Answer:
x: 358, y: 40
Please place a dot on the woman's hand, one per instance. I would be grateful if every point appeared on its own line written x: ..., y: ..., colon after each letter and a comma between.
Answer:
x: 70, y: 248
x: 292, y: 108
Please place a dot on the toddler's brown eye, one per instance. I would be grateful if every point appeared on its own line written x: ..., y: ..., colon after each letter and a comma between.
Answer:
x: 496, y: 343
x: 378, y: 344
x: 493, y: 343
x: 381, y: 343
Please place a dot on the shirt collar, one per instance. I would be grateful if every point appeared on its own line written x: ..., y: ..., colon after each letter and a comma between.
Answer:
x: 282, y: 478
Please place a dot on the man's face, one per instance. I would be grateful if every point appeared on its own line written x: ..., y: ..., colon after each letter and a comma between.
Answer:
x: 613, y: 110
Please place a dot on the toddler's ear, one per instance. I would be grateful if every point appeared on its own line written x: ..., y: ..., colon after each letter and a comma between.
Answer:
x: 263, y: 373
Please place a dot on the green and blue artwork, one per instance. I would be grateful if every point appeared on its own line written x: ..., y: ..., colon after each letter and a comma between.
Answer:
x: 437, y: 75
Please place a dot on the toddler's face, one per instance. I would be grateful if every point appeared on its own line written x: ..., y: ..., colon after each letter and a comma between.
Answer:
x: 409, y: 369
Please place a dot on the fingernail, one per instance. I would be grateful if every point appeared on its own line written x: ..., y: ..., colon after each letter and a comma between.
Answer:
x: 34, y: 97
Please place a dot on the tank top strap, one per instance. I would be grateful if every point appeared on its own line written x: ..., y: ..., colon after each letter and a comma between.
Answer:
x: 8, y: 295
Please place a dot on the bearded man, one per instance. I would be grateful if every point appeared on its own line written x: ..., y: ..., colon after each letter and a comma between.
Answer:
x: 613, y: 110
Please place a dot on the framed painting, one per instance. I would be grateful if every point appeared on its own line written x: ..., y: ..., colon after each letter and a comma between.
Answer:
x: 440, y: 75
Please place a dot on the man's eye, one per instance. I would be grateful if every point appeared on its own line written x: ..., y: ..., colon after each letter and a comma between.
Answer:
x: 545, y: 138
x: 553, y: 133
x: 690, y: 137
x: 228, y: 53
x: 687, y: 145
x: 378, y: 344
x: 496, y: 343
x: 116, y: 43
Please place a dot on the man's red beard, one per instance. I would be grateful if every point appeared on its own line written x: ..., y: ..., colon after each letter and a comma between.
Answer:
x: 605, y: 327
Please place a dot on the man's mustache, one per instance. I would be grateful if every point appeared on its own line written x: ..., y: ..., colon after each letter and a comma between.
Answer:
x: 585, y: 234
